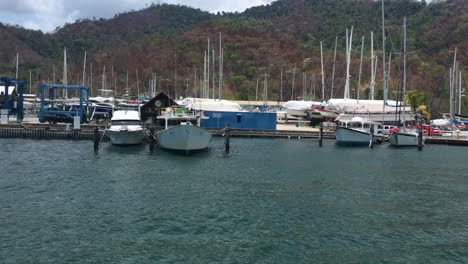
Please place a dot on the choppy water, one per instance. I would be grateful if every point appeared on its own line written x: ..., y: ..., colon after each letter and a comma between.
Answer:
x: 271, y: 201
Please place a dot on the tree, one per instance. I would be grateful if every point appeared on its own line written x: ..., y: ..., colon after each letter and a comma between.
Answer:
x: 415, y: 99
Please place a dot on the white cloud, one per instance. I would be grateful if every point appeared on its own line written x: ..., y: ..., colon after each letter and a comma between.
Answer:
x: 46, y: 15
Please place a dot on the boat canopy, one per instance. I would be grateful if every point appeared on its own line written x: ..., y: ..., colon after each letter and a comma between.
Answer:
x: 364, y: 106
x: 202, y: 104
x: 301, y: 105
x: 126, y: 115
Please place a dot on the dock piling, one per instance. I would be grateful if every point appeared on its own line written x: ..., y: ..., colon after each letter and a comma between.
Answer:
x: 371, y: 142
x: 97, y: 138
x: 420, y: 135
x: 321, y: 134
x: 152, y: 140
x: 226, y: 139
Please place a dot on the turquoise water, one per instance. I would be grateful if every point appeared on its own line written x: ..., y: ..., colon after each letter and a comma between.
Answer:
x: 270, y: 201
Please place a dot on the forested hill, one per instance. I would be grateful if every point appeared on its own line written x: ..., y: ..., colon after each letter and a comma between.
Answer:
x: 262, y: 40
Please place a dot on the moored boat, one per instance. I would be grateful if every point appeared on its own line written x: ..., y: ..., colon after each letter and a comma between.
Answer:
x: 126, y: 128
x: 358, y: 132
x: 185, y: 136
x: 404, y: 139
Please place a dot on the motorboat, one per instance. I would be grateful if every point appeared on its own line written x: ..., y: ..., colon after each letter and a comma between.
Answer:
x: 185, y: 136
x: 126, y: 128
x: 404, y: 138
x: 358, y: 132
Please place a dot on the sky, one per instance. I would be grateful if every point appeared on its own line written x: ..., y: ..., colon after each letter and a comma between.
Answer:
x: 46, y: 15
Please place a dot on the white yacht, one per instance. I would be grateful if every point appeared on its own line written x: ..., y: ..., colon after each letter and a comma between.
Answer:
x: 126, y: 128
x: 185, y: 136
x: 357, y: 131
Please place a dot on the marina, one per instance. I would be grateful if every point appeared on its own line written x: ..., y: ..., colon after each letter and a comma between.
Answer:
x: 287, y: 131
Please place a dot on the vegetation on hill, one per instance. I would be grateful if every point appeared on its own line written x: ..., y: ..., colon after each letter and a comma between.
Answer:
x: 259, y: 43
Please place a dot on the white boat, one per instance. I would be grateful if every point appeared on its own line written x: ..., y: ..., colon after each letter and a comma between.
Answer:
x: 404, y: 139
x: 126, y: 128
x: 357, y: 132
x: 300, y: 109
x: 183, y: 137
x: 204, y: 104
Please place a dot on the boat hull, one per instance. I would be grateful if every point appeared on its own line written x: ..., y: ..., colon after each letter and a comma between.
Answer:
x: 347, y: 136
x: 184, y: 138
x: 399, y: 139
x: 126, y: 137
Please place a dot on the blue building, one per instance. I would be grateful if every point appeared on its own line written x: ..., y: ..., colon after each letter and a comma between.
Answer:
x: 240, y: 120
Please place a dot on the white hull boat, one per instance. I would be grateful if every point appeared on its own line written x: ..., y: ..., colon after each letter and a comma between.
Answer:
x: 185, y: 137
x: 126, y: 128
x: 404, y: 139
x: 357, y: 132
x: 126, y: 136
x: 349, y: 136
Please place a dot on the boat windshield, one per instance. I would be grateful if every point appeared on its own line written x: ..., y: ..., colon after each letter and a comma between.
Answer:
x: 355, y: 124
x: 126, y: 123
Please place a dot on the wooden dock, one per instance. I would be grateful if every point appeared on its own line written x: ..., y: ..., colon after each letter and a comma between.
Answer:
x: 86, y: 132
x: 447, y: 141
x: 43, y: 131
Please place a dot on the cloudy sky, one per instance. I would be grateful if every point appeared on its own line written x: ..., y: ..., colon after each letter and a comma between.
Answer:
x: 46, y: 15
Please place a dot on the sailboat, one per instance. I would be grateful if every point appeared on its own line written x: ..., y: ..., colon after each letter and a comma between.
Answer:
x: 404, y: 137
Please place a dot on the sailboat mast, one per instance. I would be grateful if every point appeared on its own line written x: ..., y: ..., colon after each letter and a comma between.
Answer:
x: 204, y: 77
x: 372, y: 84
x: 175, y: 75
x: 281, y: 85
x: 256, y: 92
x: 84, y: 69
x: 220, y: 62
x: 17, y: 65
x: 214, y: 73
x: 53, y: 73
x: 91, y: 79
x: 137, y: 83
x: 265, y: 89
x: 383, y: 65
x: 334, y: 62
x: 383, y: 56
x: 208, y: 69
x: 459, y: 91
x: 65, y: 81
x: 404, y: 74
x: 30, y: 82
x: 294, y: 78
x: 360, y: 69
x: 452, y: 86
x: 323, y: 76
x: 348, y: 61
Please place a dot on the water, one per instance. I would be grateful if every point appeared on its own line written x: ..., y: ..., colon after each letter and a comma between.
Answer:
x: 270, y: 201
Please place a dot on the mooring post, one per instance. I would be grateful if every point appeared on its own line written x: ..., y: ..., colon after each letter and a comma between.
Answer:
x: 227, y: 135
x: 151, y: 140
x: 371, y: 143
x: 420, y: 135
x: 321, y: 134
x: 97, y: 138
